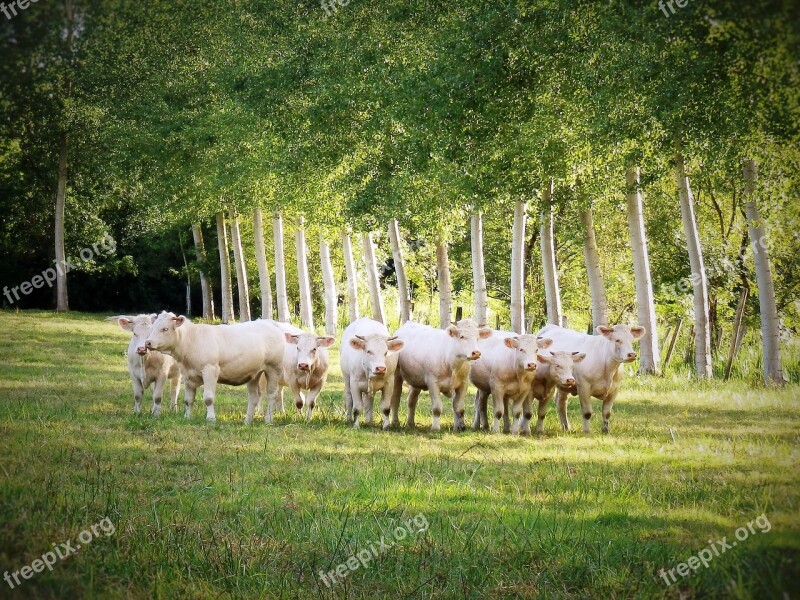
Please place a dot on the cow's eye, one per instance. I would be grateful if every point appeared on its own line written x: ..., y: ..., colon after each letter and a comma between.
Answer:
x: 164, y: 330
x: 313, y: 351
x: 619, y: 342
x: 369, y: 352
x: 461, y: 336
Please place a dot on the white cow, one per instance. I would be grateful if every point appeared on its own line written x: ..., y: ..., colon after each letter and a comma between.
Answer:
x: 368, y: 360
x: 505, y: 370
x: 437, y: 360
x: 148, y: 366
x: 231, y: 354
x: 555, y: 372
x: 305, y: 366
x: 600, y: 374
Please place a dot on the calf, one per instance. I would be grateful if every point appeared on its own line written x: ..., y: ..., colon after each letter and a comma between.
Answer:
x: 505, y: 370
x: 148, y: 366
x: 437, y: 360
x: 231, y: 354
x: 600, y: 374
x: 368, y: 360
x: 554, y: 372
x: 305, y: 366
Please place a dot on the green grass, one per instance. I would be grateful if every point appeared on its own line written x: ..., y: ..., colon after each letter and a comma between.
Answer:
x: 225, y: 510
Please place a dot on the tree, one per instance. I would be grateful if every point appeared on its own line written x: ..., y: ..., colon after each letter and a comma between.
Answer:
x: 597, y: 287
x: 205, y: 284
x: 350, y: 273
x: 241, y: 268
x: 445, y: 285
x: 400, y: 270
x: 280, y: 269
x: 478, y: 271
x: 770, y: 326
x: 331, y: 298
x: 375, y: 299
x: 549, y: 268
x: 261, y: 261
x: 306, y: 308
x: 518, y: 268
x: 645, y: 303
x: 224, y: 270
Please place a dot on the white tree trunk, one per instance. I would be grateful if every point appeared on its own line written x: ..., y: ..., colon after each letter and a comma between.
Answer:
x: 478, y: 271
x: 329, y: 282
x: 226, y: 288
x: 518, y: 268
x: 280, y: 269
x: 549, y: 268
x: 241, y: 269
x: 352, y: 281
x: 597, y: 286
x: 400, y: 271
x: 306, y: 312
x: 205, y: 283
x: 702, y: 333
x: 375, y: 299
x: 770, y: 326
x: 445, y: 286
x: 263, y: 267
x: 62, y: 302
x: 650, y: 356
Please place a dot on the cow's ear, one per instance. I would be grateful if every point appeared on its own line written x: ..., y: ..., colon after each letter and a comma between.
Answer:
x: 325, y: 341
x: 604, y: 330
x: 357, y: 342
x: 543, y: 359
x: 578, y: 356
x: 638, y: 331
x: 153, y: 317
x: 485, y: 333
x: 179, y: 320
x: 452, y: 330
x: 511, y: 342
x: 290, y: 338
x: 126, y: 323
x: 395, y: 344
x: 544, y: 342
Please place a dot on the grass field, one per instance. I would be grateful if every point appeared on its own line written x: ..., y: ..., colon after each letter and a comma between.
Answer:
x: 224, y: 510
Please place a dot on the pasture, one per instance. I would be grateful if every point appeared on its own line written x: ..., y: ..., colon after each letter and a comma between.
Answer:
x: 226, y: 510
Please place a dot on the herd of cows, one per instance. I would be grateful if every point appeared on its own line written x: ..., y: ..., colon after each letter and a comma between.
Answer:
x: 269, y: 356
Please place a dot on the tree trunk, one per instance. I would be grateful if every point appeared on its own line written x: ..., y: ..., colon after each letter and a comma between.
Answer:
x: 188, y: 277
x: 263, y: 267
x: 702, y: 349
x: 331, y: 297
x: 445, y: 286
x: 645, y: 302
x: 375, y: 299
x: 518, y: 268
x: 226, y: 288
x: 770, y: 326
x: 205, y: 284
x: 241, y: 269
x: 400, y: 271
x: 352, y: 283
x: 597, y: 286
x: 478, y: 271
x: 549, y: 269
x: 280, y: 269
x: 62, y: 301
x: 306, y: 311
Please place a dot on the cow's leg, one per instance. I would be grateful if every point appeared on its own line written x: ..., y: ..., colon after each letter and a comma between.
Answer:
x: 608, y: 404
x: 272, y: 378
x: 586, y: 407
x: 527, y: 414
x: 253, y: 398
x: 348, y: 401
x: 498, y: 395
x: 358, y: 407
x: 262, y: 386
x: 138, y: 391
x: 385, y: 405
x: 517, y: 408
x: 480, y: 421
x: 436, y: 404
x: 210, y: 375
x: 369, y: 402
x: 394, y: 397
x: 541, y: 412
x: 189, y: 392
x: 299, y: 397
x: 158, y: 393
x: 174, y: 390
x: 506, y: 415
x: 311, y: 401
x: 561, y: 403
x: 459, y: 423
x: 413, y: 397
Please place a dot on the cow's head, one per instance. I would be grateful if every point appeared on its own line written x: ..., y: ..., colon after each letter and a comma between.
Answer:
x: 140, y: 327
x: 622, y: 338
x: 465, y: 335
x: 164, y: 334
x: 307, y: 344
x: 525, y: 349
x: 561, y: 364
x: 373, y: 350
